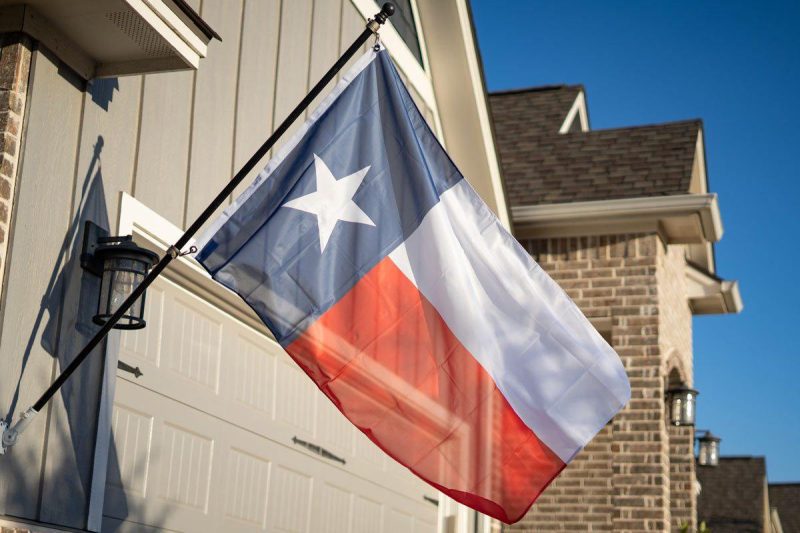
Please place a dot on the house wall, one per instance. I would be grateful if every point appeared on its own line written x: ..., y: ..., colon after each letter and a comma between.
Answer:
x: 675, y: 337
x: 629, y: 286
x: 171, y: 140
x: 15, y: 65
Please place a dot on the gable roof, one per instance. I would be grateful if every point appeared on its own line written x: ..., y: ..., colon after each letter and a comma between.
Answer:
x: 534, y: 111
x: 541, y: 166
x: 598, y: 165
x: 732, y: 495
x: 785, y: 497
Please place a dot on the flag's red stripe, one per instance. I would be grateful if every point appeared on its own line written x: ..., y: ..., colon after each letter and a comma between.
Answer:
x: 386, y: 358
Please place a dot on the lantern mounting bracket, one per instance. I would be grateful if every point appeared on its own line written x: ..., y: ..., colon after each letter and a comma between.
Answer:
x: 121, y: 265
x: 92, y: 235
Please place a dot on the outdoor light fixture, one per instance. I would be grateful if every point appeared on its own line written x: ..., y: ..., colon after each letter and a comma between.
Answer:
x: 121, y: 266
x: 681, y: 405
x: 708, y: 449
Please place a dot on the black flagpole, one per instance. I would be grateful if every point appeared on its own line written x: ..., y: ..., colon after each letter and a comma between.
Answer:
x: 11, y: 433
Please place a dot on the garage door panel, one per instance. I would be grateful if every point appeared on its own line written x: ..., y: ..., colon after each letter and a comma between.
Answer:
x: 400, y: 521
x: 253, y: 375
x: 424, y: 526
x: 203, y: 441
x: 144, y: 346
x: 192, y: 343
x: 367, y: 515
x: 247, y: 486
x: 176, y: 469
x: 332, y: 511
x: 300, y: 411
x: 133, y: 431
x: 185, y: 466
x: 289, y: 508
x: 334, y: 432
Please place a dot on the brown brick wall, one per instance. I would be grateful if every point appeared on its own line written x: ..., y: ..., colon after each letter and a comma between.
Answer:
x: 675, y: 334
x: 15, y: 62
x: 622, y: 481
x: 683, y: 498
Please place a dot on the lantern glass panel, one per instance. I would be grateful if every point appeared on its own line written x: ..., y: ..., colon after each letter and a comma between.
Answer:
x: 682, y: 407
x: 708, y: 453
x: 121, y: 275
x: 688, y: 409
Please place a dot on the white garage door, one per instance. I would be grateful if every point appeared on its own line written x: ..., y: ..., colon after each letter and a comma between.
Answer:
x: 224, y: 433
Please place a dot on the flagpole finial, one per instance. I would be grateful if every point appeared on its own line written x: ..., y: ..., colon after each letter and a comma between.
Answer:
x: 387, y: 10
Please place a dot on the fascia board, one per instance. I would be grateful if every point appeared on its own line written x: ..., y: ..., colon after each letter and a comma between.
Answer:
x: 733, y: 298
x: 625, y: 210
x: 711, y: 295
x: 577, y: 111
x: 193, y: 37
x: 167, y: 30
x: 56, y: 34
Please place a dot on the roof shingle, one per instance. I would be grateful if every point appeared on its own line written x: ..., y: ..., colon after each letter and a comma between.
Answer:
x: 732, y: 495
x: 541, y: 110
x: 541, y: 166
x: 786, y: 498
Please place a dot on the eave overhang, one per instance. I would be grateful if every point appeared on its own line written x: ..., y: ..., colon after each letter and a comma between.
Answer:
x: 688, y: 219
x: 105, y: 38
x: 709, y: 294
x: 680, y: 219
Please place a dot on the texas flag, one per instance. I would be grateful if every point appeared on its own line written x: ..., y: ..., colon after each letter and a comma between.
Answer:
x: 394, y: 287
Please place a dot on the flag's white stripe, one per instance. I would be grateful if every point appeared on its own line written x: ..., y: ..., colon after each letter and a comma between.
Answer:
x: 284, y: 151
x: 557, y: 373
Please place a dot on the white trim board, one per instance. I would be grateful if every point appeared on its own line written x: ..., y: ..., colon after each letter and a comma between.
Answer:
x: 578, y: 110
x: 417, y: 74
x: 709, y: 294
x: 684, y: 218
x: 483, y: 113
x: 64, y: 32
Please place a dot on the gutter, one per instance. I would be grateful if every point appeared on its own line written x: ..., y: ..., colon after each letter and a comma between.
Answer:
x: 727, y: 291
x: 597, y: 213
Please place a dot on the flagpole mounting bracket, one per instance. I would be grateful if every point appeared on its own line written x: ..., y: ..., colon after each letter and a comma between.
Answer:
x: 12, y: 433
x: 175, y: 252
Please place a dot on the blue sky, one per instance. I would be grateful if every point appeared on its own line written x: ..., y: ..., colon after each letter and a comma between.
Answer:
x: 736, y: 65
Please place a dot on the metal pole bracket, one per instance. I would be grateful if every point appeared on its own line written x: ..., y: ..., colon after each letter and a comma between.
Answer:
x: 12, y: 433
x: 3, y: 428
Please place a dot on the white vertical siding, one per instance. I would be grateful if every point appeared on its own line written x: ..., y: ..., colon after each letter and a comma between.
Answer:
x: 34, y: 287
x: 96, y: 177
x: 256, y: 90
x: 211, y: 157
x: 294, y: 52
x: 162, y: 161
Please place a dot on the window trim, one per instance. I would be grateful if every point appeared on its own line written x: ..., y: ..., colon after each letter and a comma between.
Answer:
x: 418, y: 75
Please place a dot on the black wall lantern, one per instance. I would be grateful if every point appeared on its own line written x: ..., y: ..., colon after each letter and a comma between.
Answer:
x: 708, y: 449
x: 121, y: 266
x: 682, y: 401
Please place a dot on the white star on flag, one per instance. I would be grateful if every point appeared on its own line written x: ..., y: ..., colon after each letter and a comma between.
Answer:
x: 332, y: 201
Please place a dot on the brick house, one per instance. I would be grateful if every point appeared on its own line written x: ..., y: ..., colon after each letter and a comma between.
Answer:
x: 623, y: 220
